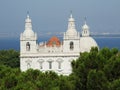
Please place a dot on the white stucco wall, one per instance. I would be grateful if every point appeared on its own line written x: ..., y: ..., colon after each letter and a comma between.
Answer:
x: 66, y: 60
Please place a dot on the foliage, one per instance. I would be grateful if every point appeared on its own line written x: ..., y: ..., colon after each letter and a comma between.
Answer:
x: 97, y: 70
x: 13, y: 79
x: 9, y: 58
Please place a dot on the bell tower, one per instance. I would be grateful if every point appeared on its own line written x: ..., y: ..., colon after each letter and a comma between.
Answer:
x: 28, y: 38
x: 71, y: 37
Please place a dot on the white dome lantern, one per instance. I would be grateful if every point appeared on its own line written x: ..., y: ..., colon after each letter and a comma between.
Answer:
x: 85, y: 27
x: 85, y: 30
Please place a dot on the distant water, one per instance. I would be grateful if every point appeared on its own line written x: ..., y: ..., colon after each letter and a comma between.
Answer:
x: 110, y: 42
x: 14, y: 43
x: 9, y: 43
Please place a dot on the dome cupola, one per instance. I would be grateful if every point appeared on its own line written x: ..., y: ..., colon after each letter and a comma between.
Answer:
x: 85, y: 27
x: 54, y: 41
x: 85, y: 30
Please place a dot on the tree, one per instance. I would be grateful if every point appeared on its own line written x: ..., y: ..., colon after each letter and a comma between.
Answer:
x: 115, y: 85
x: 96, y: 80
x: 96, y: 70
x: 9, y: 58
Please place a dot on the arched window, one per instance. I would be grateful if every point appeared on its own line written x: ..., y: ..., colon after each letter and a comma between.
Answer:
x: 59, y: 61
x: 86, y: 31
x: 50, y: 65
x: 41, y: 63
x: 28, y: 64
x: 71, y: 45
x: 50, y: 62
x: 28, y: 46
x: 59, y: 65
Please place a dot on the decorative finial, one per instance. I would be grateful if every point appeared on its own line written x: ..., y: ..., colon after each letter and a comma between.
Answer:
x: 27, y: 14
x: 85, y: 19
x: 71, y: 14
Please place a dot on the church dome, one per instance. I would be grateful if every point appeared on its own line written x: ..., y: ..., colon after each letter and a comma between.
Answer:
x: 86, y: 43
x: 54, y: 41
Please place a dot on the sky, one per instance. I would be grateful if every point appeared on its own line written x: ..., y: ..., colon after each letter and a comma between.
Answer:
x: 51, y: 16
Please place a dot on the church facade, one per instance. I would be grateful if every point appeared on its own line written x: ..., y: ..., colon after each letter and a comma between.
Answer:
x: 54, y: 55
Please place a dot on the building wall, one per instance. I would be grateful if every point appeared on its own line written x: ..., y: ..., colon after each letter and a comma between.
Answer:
x: 35, y: 63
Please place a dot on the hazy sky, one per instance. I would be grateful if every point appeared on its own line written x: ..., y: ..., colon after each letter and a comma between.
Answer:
x: 52, y: 15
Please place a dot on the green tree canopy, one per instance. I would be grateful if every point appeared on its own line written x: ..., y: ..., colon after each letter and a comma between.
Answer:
x: 97, y: 70
x: 10, y: 58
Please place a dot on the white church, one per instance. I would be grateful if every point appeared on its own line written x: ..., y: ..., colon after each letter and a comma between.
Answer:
x: 54, y: 55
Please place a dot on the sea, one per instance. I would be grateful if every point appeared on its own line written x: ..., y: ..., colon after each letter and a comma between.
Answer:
x: 14, y: 43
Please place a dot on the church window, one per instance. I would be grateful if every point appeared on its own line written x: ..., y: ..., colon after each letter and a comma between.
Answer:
x: 50, y: 65
x: 59, y: 65
x: 40, y: 63
x: 28, y: 64
x: 41, y: 67
x: 85, y: 31
x: 28, y: 46
x: 71, y: 45
x: 59, y: 61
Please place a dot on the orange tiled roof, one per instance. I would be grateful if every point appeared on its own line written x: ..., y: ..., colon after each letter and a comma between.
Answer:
x: 54, y: 41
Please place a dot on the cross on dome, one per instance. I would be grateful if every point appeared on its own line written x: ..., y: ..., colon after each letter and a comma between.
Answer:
x: 28, y: 14
x: 71, y: 14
